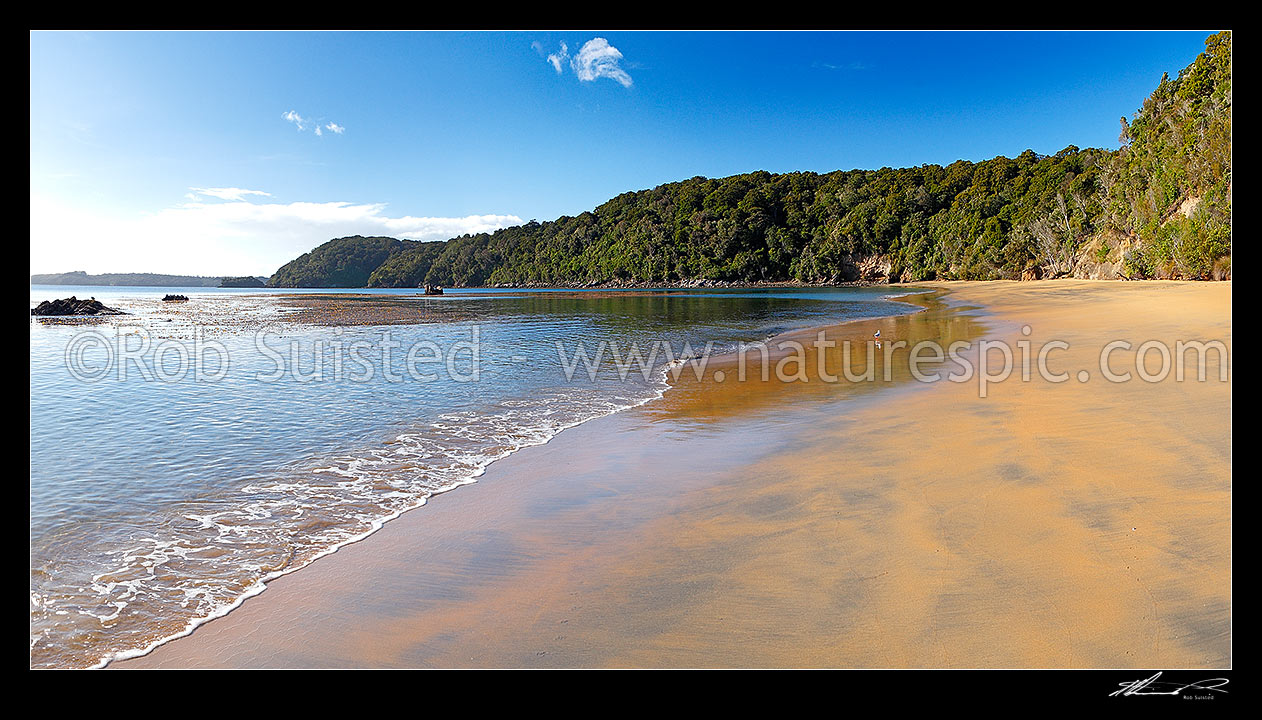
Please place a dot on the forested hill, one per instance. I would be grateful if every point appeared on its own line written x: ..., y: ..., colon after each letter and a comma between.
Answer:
x: 80, y: 277
x: 1159, y: 206
x: 345, y: 262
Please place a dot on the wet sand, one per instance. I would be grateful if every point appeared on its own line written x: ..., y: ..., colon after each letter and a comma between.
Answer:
x: 887, y: 524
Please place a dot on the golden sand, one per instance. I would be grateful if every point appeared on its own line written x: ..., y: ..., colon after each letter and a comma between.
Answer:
x: 888, y: 524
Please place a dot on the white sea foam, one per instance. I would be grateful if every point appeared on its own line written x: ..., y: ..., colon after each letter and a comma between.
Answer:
x: 344, y: 499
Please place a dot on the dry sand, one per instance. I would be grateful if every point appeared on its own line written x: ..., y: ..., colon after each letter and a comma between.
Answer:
x: 890, y: 524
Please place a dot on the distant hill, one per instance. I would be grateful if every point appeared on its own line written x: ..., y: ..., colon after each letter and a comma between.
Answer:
x: 126, y: 279
x: 1157, y: 207
x: 243, y: 282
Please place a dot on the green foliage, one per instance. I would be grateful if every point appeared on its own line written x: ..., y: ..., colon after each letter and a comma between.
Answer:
x: 1102, y: 253
x: 407, y: 268
x: 1176, y: 152
x: 344, y: 262
x: 960, y: 221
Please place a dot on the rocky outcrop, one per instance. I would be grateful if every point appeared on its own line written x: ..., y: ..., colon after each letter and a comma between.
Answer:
x: 866, y: 268
x: 73, y: 306
x: 701, y: 283
x: 1103, y: 256
x: 1188, y: 206
x: 175, y: 298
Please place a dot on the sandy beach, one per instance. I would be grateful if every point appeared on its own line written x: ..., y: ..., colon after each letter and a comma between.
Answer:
x: 886, y: 524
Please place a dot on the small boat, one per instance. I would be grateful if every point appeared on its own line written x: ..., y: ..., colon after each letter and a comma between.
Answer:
x: 433, y: 289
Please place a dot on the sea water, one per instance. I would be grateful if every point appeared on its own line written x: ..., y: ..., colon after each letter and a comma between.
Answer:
x: 160, y: 500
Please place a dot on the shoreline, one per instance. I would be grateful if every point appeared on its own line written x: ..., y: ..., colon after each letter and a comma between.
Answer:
x: 695, y: 284
x: 691, y: 414
x: 262, y: 585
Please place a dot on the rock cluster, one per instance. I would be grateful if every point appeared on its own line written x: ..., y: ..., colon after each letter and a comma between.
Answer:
x: 74, y: 306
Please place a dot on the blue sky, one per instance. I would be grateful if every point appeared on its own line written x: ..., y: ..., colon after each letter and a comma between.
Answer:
x: 231, y: 153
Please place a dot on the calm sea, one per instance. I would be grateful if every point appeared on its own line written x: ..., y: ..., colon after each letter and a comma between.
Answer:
x: 182, y: 456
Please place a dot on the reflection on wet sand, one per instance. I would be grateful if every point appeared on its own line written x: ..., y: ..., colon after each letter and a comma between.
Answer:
x: 829, y: 363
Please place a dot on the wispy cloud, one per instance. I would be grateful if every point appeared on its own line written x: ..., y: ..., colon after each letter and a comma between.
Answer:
x: 296, y: 119
x: 224, y: 193
x: 557, y: 59
x: 316, y: 124
x: 236, y: 236
x: 856, y: 66
x: 596, y: 59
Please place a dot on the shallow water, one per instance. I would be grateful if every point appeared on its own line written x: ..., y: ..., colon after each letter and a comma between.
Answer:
x: 161, y: 499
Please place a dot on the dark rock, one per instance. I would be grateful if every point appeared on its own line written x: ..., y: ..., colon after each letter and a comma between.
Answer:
x: 73, y: 306
x: 175, y: 298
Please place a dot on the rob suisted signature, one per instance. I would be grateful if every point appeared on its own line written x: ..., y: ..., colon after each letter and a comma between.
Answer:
x: 1152, y: 686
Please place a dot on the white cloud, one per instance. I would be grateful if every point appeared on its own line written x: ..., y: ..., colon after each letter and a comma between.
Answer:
x: 296, y: 119
x: 556, y: 59
x: 317, y: 125
x: 598, y: 59
x: 237, y: 237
